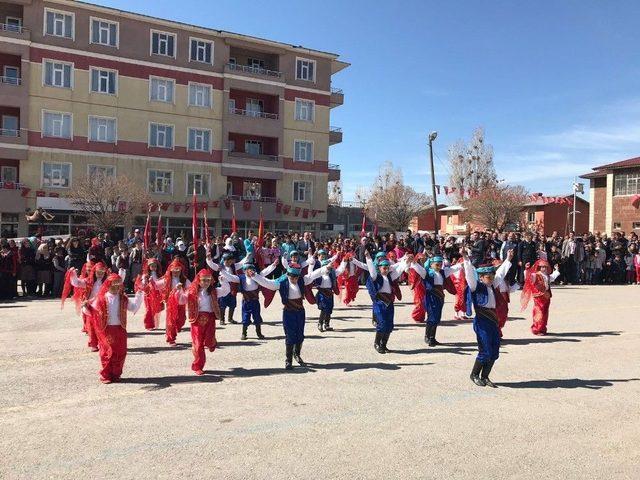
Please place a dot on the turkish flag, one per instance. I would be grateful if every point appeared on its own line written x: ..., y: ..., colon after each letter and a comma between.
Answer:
x: 297, y: 211
x: 278, y: 206
x: 286, y: 209
x: 305, y: 213
x: 246, y: 205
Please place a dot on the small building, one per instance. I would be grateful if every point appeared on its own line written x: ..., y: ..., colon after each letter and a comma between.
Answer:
x: 453, y: 221
x: 554, y: 214
x: 424, y: 220
x: 615, y: 197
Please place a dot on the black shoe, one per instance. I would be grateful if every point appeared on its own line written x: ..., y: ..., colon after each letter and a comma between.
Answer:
x: 433, y: 342
x: 374, y: 322
x: 475, y: 374
x: 259, y: 331
x: 321, y: 326
x: 327, y: 327
x: 377, y: 343
x: 383, y: 343
x: 230, y: 319
x: 244, y: 332
x: 486, y: 369
x: 288, y: 364
x: 296, y: 354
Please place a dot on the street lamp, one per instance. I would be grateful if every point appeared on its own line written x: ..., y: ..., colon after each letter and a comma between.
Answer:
x: 432, y: 137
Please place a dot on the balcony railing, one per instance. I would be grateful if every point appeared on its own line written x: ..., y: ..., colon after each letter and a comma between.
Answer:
x: 252, y: 198
x: 254, y: 70
x: 251, y: 113
x: 257, y: 156
x: 335, y: 129
x: 334, y: 166
x: 337, y: 91
x: 6, y: 27
x: 8, y: 132
x: 11, y: 80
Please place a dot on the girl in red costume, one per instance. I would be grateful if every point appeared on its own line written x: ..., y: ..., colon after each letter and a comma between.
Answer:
x: 174, y: 277
x: 202, y: 300
x: 152, y: 294
x: 417, y: 286
x: 109, y: 310
x: 348, y: 279
x: 537, y: 284
x: 460, y: 283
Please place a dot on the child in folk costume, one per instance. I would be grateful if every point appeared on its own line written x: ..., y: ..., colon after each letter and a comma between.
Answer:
x: 202, y: 300
x: 348, y: 280
x: 152, y: 294
x: 327, y: 286
x: 505, y: 290
x: 174, y: 277
x: 379, y: 257
x: 538, y: 285
x: 229, y: 300
x: 383, y: 289
x: 460, y: 284
x: 292, y: 289
x: 483, y: 294
x: 436, y: 279
x: 85, y: 288
x: 250, y: 290
x: 109, y: 310
x: 417, y: 287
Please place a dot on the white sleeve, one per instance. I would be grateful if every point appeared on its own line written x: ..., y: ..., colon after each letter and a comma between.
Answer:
x: 212, y: 265
x: 452, y: 269
x: 267, y: 270
x: 397, y: 269
x: 419, y: 268
x: 159, y: 283
x: 341, y: 268
x: 224, y: 289
x: 123, y: 273
x: 77, y: 281
x: 311, y: 276
x: 242, y: 262
x: 470, y: 274
x: 134, y: 303
x: 265, y: 282
x: 554, y: 275
x: 229, y: 277
x: 182, y: 296
x: 358, y: 263
x: 501, y: 273
x: 285, y: 262
x: 372, y: 269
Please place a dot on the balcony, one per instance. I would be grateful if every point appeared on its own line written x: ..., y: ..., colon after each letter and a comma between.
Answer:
x: 335, y: 135
x: 337, y: 97
x: 253, y: 114
x: 15, y: 31
x: 253, y: 63
x: 334, y: 172
x: 255, y: 156
x: 266, y: 204
x: 253, y: 71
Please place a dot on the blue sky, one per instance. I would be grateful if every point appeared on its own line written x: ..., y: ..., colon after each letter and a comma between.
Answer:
x: 554, y: 83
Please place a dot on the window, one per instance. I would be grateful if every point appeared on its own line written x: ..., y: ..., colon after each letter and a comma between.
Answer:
x: 10, y: 126
x: 617, y: 225
x: 301, y: 191
x: 160, y: 181
x: 303, y: 151
x: 232, y: 60
x: 305, y: 70
x: 8, y: 174
x: 252, y: 190
x: 11, y: 75
x: 626, y: 184
x: 232, y: 105
x: 104, y: 32
x: 253, y: 147
x: 199, y: 95
x: 101, y: 170
x: 103, y: 81
x: 231, y: 145
x: 160, y: 135
x: 198, y: 182
x: 229, y: 188
x: 163, y: 43
x: 57, y: 74
x: 55, y: 124
x: 531, y: 216
x: 449, y: 219
x: 255, y: 107
x: 58, y: 24
x: 304, y: 110
x: 56, y: 175
x: 199, y: 140
x: 201, y: 51
x: 255, y: 63
x: 13, y: 24
x: 635, y: 225
x: 102, y: 129
x: 161, y: 89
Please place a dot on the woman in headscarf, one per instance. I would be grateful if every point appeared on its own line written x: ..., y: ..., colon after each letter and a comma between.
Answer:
x: 537, y: 284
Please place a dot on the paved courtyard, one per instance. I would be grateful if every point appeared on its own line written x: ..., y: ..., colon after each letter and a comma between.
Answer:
x: 567, y: 405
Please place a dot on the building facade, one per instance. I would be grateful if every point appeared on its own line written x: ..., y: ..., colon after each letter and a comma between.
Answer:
x: 615, y: 197
x: 175, y: 107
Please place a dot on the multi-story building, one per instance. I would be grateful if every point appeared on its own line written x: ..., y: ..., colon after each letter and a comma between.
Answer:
x: 87, y: 89
x: 614, y: 195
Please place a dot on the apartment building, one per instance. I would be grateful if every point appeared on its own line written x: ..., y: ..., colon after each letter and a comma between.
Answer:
x: 84, y: 89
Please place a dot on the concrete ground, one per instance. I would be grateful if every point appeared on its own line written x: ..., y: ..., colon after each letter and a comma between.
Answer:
x: 567, y: 405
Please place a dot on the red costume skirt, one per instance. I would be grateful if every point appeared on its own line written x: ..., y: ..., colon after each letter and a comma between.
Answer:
x: 113, y: 351
x: 174, y: 325
x: 540, y: 314
x: 203, y: 334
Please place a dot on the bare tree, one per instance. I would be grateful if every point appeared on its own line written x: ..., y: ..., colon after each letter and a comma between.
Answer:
x: 471, y: 165
x: 335, y: 193
x: 108, y: 201
x: 496, y: 206
x: 394, y: 203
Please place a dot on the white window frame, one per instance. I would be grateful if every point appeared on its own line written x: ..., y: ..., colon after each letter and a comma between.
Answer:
x: 44, y: 111
x: 73, y: 23
x: 204, y: 40
x: 189, y: 193
x: 175, y: 43
x: 254, y: 142
x: 18, y: 21
x: 198, y: 84
x: 115, y: 129
x: 172, y: 80
x: 42, y: 185
x: 310, y: 193
x: 5, y: 129
x: 4, y: 73
x: 173, y: 136
x: 189, y: 149
x: 44, y: 73
x: 100, y: 69
x: 313, y: 148
x: 149, y: 170
x: 4, y: 168
x: 315, y: 69
x: 113, y: 167
x: 313, y: 110
x: 112, y: 22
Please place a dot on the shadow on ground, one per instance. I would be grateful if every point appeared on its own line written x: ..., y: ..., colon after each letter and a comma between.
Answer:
x: 567, y: 383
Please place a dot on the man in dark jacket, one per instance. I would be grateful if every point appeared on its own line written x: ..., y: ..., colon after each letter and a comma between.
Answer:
x: 527, y: 253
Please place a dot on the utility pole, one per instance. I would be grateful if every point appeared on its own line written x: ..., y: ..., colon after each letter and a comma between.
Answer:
x: 577, y: 187
x: 432, y: 137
